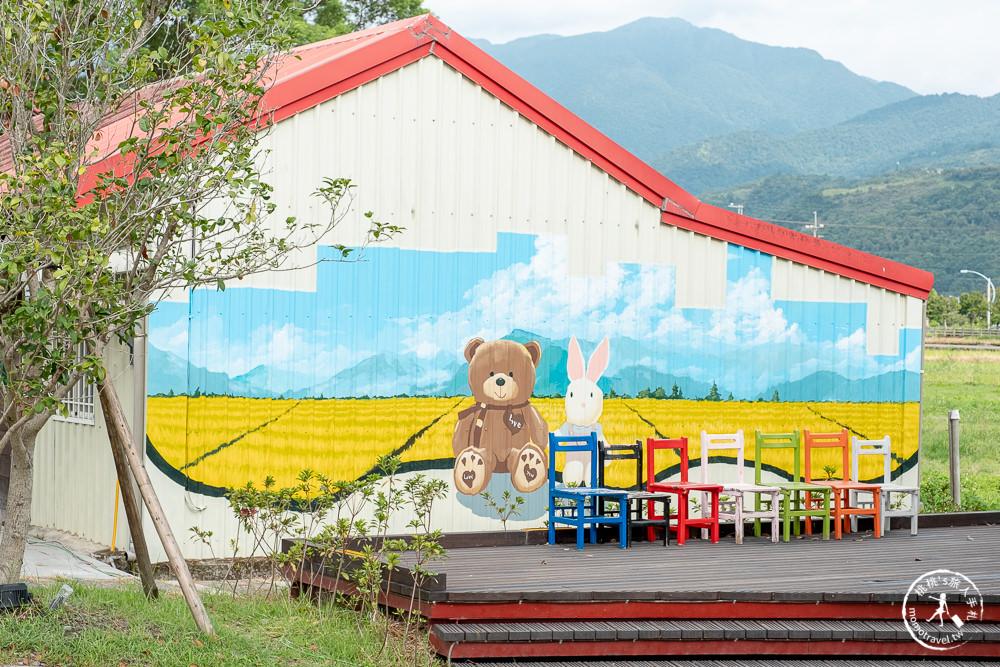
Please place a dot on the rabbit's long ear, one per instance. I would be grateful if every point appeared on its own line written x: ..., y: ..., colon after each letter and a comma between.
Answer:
x: 598, y: 361
x: 574, y: 365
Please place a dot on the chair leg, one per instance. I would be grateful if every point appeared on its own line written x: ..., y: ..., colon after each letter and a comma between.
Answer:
x: 786, y: 516
x: 853, y: 502
x: 838, y: 513
x: 826, y: 516
x: 682, y: 507
x: 704, y: 503
x: 795, y: 500
x: 775, y: 518
x: 877, y: 518
x: 715, y: 517
x: 738, y: 516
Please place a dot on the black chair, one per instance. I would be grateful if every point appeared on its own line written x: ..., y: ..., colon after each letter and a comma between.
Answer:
x: 637, y: 496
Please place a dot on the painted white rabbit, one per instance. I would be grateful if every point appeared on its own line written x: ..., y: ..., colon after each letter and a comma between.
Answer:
x: 584, y: 405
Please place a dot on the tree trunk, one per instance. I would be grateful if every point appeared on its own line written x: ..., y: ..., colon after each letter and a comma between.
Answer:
x: 15, y: 531
x: 128, y: 499
x: 177, y: 562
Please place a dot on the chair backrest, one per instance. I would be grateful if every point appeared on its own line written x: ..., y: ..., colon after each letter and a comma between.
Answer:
x: 654, y: 445
x: 881, y: 447
x: 610, y: 452
x: 561, y: 444
x: 716, y: 441
x: 812, y: 441
x: 790, y: 441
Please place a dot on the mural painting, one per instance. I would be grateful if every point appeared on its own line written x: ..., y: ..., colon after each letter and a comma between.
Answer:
x: 461, y: 362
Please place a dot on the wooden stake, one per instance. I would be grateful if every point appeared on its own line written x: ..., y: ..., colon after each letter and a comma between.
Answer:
x: 128, y: 495
x: 954, y: 466
x: 118, y: 423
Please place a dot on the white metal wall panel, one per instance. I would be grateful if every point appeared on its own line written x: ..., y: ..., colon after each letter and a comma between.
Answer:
x: 887, y: 312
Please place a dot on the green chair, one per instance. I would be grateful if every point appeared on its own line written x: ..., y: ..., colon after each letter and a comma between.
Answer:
x: 795, y: 494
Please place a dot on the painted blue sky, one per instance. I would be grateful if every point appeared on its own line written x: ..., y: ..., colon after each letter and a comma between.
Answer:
x: 421, y: 307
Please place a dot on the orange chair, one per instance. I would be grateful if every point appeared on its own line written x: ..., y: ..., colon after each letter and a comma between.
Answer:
x: 684, y: 522
x: 844, y: 489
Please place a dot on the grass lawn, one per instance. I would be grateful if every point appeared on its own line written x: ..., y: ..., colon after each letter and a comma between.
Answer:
x: 117, y: 626
x: 967, y: 381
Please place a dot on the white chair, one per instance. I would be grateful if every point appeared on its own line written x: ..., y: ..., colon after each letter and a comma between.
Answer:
x: 738, y: 509
x: 883, y: 448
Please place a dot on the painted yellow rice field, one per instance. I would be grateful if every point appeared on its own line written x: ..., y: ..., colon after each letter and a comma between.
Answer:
x: 338, y: 438
x: 229, y: 441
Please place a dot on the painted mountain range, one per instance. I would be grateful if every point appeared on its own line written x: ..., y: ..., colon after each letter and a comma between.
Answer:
x: 407, y: 375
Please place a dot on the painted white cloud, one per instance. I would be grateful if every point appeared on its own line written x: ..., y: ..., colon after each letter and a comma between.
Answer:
x: 282, y: 347
x: 750, y: 317
x: 539, y: 295
x: 172, y: 338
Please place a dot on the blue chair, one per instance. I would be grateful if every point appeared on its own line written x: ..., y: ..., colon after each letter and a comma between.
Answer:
x: 583, y: 506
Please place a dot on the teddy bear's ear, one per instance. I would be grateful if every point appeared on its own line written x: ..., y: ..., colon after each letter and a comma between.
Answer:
x: 535, y: 350
x: 471, y: 347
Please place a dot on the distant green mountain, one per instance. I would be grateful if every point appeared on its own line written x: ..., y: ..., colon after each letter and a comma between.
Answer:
x: 657, y: 84
x: 939, y: 220
x: 934, y: 130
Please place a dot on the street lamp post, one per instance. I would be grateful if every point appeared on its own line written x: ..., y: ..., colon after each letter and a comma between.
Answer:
x: 991, y: 293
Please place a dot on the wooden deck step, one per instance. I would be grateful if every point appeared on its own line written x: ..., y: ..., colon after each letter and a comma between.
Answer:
x: 770, y: 662
x: 627, y: 631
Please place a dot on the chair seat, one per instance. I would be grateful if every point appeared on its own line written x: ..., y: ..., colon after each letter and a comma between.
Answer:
x: 898, y: 488
x: 684, y: 486
x: 803, y: 486
x: 848, y: 485
x: 746, y: 487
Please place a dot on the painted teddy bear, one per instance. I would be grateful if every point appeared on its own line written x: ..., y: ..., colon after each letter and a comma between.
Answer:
x: 502, y: 432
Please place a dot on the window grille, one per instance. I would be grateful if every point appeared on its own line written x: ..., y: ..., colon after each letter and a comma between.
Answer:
x: 81, y: 399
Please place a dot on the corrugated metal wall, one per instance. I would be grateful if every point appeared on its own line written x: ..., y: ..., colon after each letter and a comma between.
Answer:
x: 75, y: 480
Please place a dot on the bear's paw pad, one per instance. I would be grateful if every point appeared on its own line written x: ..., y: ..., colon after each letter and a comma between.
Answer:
x: 529, y: 474
x: 471, y: 475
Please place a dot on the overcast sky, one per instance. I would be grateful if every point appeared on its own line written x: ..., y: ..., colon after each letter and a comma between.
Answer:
x: 929, y: 46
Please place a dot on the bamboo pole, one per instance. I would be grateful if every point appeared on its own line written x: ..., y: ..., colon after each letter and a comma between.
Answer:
x: 118, y: 422
x: 128, y: 493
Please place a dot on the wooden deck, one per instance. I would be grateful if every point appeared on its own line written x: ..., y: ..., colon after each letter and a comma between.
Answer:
x: 856, y: 568
x: 804, y: 597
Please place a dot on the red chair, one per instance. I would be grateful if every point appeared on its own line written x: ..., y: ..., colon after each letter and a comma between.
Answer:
x: 683, y: 488
x: 843, y: 487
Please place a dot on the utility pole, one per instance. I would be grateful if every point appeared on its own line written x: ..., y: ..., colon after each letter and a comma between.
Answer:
x: 738, y: 207
x: 815, y: 226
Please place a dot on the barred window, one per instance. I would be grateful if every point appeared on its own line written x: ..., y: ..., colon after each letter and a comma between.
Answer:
x: 81, y: 400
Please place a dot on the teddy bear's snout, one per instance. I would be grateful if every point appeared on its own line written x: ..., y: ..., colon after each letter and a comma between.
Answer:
x: 500, y: 387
